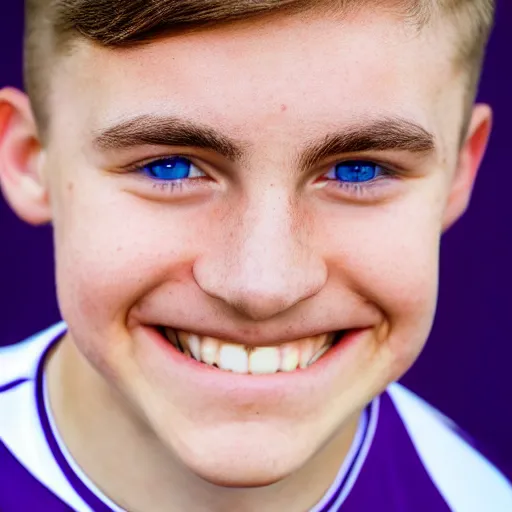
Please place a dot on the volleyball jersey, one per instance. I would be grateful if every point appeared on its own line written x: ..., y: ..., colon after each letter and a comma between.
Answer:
x: 406, y: 456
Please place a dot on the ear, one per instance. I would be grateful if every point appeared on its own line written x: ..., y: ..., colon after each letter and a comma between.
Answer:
x: 470, y: 157
x: 21, y: 159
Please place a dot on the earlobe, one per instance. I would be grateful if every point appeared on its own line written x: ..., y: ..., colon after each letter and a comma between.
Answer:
x: 470, y: 157
x: 21, y: 159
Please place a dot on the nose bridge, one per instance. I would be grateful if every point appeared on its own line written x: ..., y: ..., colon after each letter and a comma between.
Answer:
x: 269, y: 241
x: 267, y: 266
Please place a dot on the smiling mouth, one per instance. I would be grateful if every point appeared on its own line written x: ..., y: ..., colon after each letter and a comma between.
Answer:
x: 252, y: 360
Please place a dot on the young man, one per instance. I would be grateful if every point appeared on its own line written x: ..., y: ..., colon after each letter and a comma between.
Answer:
x: 248, y: 199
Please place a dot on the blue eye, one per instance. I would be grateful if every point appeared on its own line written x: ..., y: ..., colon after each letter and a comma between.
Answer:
x: 172, y: 169
x: 357, y: 172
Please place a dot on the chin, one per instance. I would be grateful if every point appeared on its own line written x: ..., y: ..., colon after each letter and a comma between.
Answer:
x: 241, y: 456
x: 241, y: 473
x: 239, y: 476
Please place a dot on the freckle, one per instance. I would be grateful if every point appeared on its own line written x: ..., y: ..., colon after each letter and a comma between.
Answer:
x: 71, y: 186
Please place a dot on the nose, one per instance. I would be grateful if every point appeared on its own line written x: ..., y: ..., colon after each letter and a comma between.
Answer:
x: 263, y: 263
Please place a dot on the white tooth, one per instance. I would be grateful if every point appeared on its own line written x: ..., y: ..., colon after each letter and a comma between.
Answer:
x: 289, y: 357
x: 194, y: 346
x: 209, y: 351
x: 264, y: 360
x: 307, y: 351
x: 319, y: 354
x: 233, y: 358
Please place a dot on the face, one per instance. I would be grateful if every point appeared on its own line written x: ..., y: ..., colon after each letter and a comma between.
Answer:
x: 277, y: 186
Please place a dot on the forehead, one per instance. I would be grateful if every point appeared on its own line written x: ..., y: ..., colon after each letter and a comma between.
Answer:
x: 321, y: 70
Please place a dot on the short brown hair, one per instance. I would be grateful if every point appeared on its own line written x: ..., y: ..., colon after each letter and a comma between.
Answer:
x: 52, y: 24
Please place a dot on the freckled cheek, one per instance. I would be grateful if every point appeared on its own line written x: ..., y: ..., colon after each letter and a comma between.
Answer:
x: 111, y: 256
x: 406, y: 291
x: 407, y: 277
x: 394, y: 266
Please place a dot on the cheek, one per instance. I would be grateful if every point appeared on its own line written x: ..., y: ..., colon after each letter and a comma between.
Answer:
x: 112, y: 249
x: 407, y: 293
x: 390, y: 258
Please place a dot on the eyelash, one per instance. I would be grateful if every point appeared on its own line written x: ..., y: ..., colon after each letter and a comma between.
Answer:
x: 169, y: 186
x: 356, y: 189
x: 367, y: 188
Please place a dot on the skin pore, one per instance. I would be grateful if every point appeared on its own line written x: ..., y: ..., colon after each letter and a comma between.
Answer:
x: 265, y: 247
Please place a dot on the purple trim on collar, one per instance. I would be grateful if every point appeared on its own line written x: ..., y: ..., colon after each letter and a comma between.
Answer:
x: 11, y: 385
x: 371, y: 410
x: 80, y: 488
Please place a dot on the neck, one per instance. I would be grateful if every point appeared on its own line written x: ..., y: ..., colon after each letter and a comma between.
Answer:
x: 120, y: 454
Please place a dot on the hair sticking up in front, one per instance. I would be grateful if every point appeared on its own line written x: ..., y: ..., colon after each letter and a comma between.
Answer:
x: 51, y: 25
x: 121, y: 22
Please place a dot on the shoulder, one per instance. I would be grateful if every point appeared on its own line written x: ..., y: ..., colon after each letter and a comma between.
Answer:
x: 31, y: 478
x: 18, y: 362
x: 19, y: 365
x: 465, y: 478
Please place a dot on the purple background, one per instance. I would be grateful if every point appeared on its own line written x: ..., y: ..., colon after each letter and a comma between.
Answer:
x: 465, y: 369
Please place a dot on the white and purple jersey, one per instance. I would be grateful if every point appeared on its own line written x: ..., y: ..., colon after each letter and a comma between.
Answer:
x: 406, y: 456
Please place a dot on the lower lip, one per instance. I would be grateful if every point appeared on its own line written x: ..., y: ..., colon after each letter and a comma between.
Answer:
x: 337, y: 359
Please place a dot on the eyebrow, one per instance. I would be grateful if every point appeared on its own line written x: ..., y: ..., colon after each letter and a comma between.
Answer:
x: 383, y: 134
x: 167, y: 131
